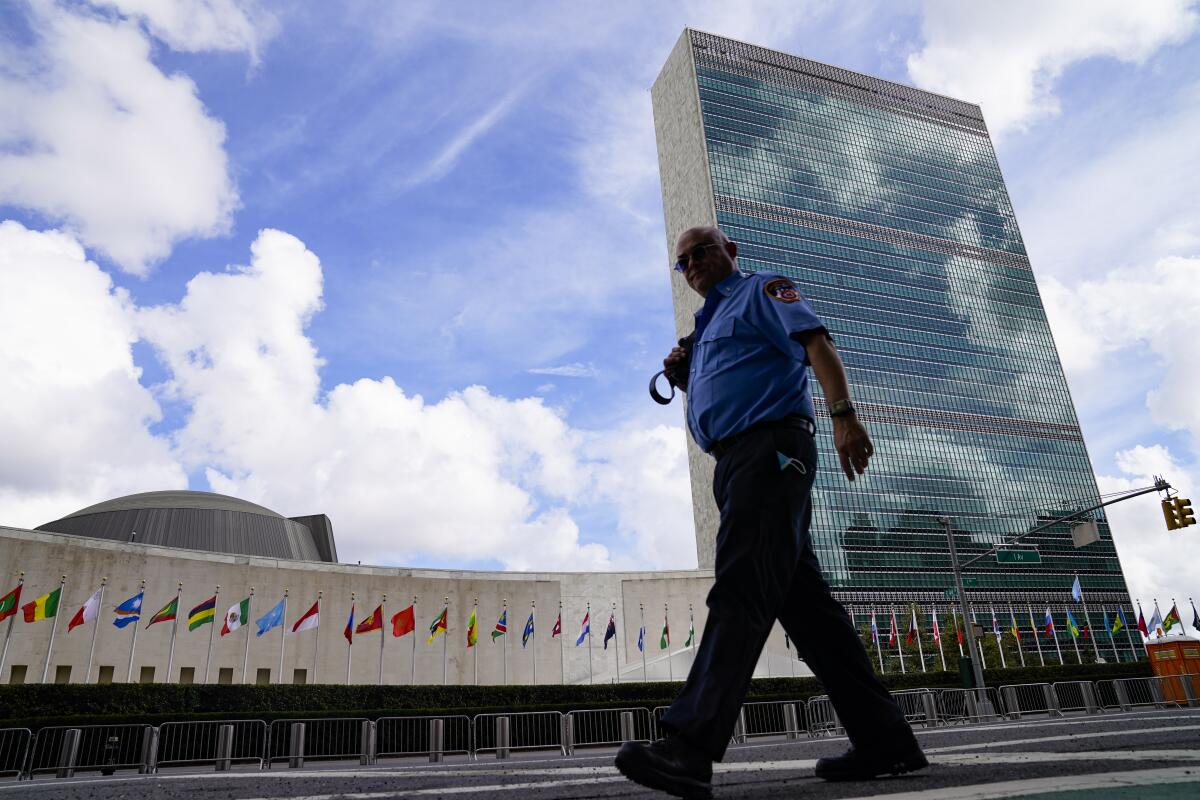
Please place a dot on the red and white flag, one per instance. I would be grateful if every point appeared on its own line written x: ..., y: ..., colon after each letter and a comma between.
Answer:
x: 892, y: 634
x: 912, y: 627
x: 309, y: 619
x: 937, y: 632
x: 87, y: 613
x: 557, y: 626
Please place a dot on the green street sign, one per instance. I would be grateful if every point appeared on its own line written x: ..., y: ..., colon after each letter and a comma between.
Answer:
x: 1018, y: 557
x: 970, y: 582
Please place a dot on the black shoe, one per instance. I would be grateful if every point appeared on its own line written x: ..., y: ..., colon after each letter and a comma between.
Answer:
x: 863, y: 764
x: 670, y: 765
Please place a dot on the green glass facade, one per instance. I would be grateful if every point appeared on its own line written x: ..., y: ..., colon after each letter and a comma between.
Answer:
x: 887, y: 207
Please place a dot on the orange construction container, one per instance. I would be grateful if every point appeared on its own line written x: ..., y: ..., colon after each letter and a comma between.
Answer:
x: 1176, y: 655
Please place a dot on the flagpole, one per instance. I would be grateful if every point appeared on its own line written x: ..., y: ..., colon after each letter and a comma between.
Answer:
x: 589, y: 633
x: 174, y: 629
x: 692, y: 636
x: 133, y: 644
x: 445, y: 638
x: 413, y: 678
x: 533, y: 636
x: 1020, y: 645
x: 1057, y: 646
x: 979, y: 641
x: 1174, y: 607
x: 1036, y: 640
x: 1087, y: 618
x: 12, y: 618
x: 54, y: 627
x: 504, y: 644
x: 212, y: 626
x: 1113, y: 642
x: 920, y: 647
x: 350, y: 639
x: 957, y: 632
x: 317, y: 639
x: 95, y: 627
x: 282, y: 633
x: 878, y: 649
x: 896, y: 633
x: 670, y: 660
x: 246, y: 625
x: 996, y: 632
x: 475, y: 611
x: 382, y: 635
x: 617, y: 642
x: 642, y: 635
x: 941, y: 653
x: 1128, y: 635
x: 562, y: 653
x: 1075, y: 642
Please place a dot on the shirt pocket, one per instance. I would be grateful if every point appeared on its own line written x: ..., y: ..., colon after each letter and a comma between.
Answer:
x: 718, y: 346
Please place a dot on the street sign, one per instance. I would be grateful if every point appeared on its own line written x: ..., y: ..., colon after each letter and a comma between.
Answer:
x: 1018, y: 557
x: 969, y: 582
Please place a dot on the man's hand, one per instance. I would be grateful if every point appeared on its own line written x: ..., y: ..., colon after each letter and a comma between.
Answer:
x: 853, y: 445
x: 676, y: 355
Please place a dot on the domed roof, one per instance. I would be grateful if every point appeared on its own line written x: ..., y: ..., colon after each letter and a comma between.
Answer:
x: 202, y: 521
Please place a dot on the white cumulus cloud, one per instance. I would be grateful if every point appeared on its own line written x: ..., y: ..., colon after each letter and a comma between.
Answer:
x: 1008, y: 56
x: 193, y: 26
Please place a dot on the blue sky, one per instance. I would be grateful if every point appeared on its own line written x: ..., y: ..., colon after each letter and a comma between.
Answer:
x: 404, y: 263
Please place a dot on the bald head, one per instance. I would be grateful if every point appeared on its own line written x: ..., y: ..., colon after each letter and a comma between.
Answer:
x: 709, y: 254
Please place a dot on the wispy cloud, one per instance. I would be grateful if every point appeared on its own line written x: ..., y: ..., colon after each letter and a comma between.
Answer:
x: 575, y: 370
x: 445, y: 160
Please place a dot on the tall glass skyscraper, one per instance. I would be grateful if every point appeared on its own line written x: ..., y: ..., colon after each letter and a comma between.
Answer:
x: 886, y: 206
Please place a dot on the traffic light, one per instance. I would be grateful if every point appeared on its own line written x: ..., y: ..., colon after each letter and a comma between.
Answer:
x: 1171, y: 514
x: 1184, y: 515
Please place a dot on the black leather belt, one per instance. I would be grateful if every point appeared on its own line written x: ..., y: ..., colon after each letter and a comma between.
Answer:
x: 795, y: 421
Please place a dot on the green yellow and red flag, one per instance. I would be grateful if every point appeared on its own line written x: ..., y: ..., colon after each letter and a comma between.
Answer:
x: 166, y: 613
x: 43, y: 607
x: 438, y: 626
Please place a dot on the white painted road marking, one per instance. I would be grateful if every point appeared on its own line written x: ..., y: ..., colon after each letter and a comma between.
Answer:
x: 1063, y: 738
x: 1059, y: 783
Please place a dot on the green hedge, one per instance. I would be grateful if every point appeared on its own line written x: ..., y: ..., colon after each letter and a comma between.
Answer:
x: 39, y: 705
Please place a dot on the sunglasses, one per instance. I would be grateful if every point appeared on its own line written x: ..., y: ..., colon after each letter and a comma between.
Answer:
x: 696, y: 253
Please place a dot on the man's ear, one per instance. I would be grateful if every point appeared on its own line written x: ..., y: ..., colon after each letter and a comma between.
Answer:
x: 731, y: 248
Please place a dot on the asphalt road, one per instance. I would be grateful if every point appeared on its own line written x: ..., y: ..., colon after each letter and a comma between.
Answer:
x: 1109, y: 757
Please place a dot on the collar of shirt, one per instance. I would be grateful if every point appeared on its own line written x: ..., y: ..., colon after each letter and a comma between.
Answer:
x: 715, y: 295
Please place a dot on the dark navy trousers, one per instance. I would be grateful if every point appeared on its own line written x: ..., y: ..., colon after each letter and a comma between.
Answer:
x: 766, y: 569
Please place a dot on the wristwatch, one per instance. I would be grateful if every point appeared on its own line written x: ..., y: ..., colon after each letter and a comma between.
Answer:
x: 841, y: 408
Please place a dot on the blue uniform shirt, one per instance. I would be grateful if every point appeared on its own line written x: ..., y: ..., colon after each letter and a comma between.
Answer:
x: 747, y: 366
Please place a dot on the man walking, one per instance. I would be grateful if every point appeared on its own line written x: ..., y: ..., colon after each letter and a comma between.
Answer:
x: 750, y: 406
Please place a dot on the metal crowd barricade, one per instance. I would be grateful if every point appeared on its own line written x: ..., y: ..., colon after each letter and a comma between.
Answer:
x: 221, y: 743
x: 1176, y: 690
x: 772, y: 718
x: 919, y: 706
x: 1029, y: 698
x: 967, y: 705
x: 320, y: 739
x: 822, y: 719
x: 1135, y: 692
x: 430, y: 736
x: 1077, y: 696
x: 14, y: 749
x: 657, y: 713
x: 68, y: 749
x: 523, y: 730
x: 609, y: 726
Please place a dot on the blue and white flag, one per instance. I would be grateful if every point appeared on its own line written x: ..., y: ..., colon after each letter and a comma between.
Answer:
x: 642, y: 639
x: 129, y: 611
x: 271, y: 619
x: 1077, y: 591
x: 528, y: 630
x: 584, y: 629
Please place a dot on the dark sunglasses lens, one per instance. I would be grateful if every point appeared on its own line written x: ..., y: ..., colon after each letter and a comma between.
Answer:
x: 681, y: 265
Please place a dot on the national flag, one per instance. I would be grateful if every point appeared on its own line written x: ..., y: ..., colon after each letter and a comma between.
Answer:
x: 1016, y: 632
x: 1172, y: 619
x: 585, y: 628
x: 372, y: 623
x: 1141, y: 626
x: 995, y: 623
x: 43, y: 607
x: 501, y: 626
x: 874, y: 629
x: 1156, y: 621
x: 1107, y: 624
x: 202, y: 614
x: 1195, y: 618
x: 1119, y: 621
x: 236, y: 616
x: 472, y: 633
x: 129, y: 611
x: 557, y: 626
x: 86, y: 613
x: 611, y: 630
x: 912, y: 628
x: 937, y: 631
x: 1077, y: 591
x: 692, y: 633
x: 642, y: 639
x: 525, y: 634
x: 348, y: 632
x: 1086, y: 630
x: 892, y: 633
x: 1071, y: 626
x: 309, y: 620
x: 271, y: 619
x: 10, y: 602
x: 958, y: 631
x: 438, y: 625
x: 404, y: 621
x: 167, y: 613
x: 1049, y: 623
x: 664, y: 640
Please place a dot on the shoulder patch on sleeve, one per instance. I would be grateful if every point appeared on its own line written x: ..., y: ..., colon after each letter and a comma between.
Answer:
x: 781, y: 289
